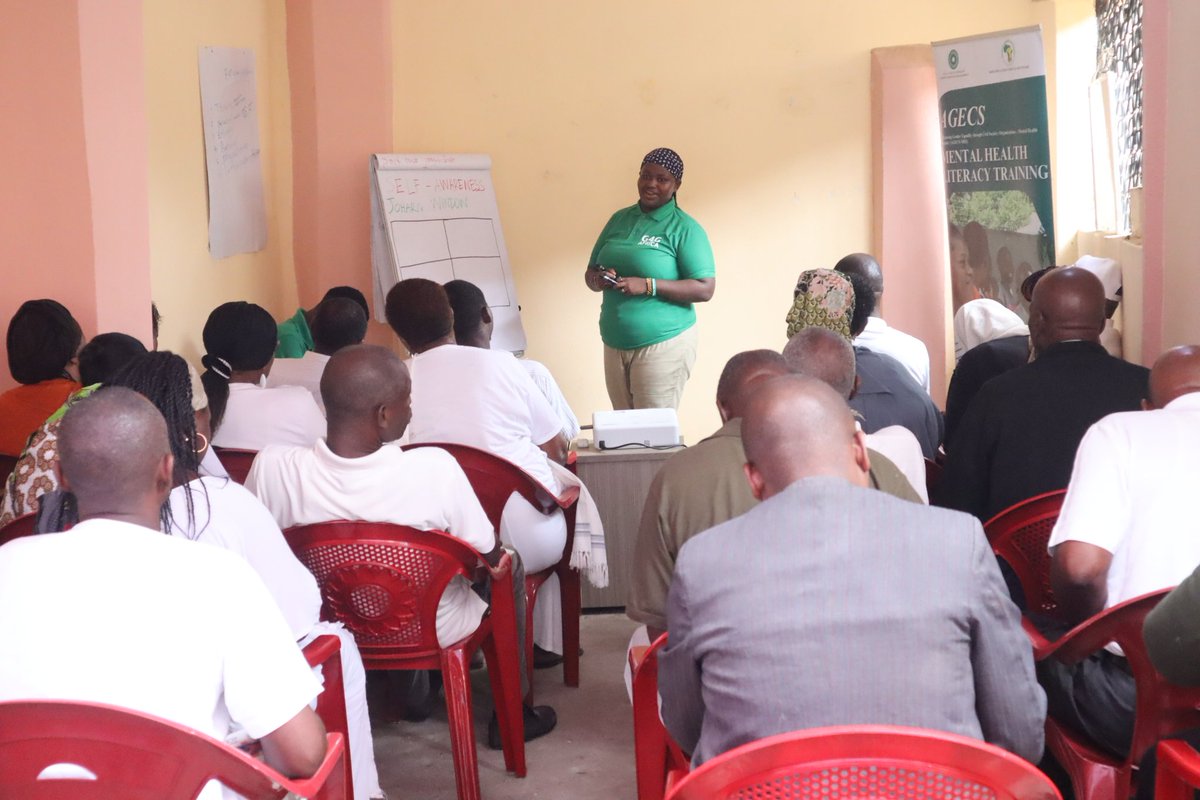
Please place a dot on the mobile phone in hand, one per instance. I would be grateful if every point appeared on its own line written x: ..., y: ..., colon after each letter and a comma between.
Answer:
x: 609, y: 279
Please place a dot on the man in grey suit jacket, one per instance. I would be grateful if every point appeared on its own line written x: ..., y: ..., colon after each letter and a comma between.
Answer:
x: 831, y: 604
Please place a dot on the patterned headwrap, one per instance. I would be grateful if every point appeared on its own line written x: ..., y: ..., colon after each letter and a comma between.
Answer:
x: 824, y: 299
x: 666, y: 158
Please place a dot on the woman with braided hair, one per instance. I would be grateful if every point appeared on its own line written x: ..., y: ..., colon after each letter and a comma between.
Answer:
x: 222, y: 513
x: 239, y: 343
x: 653, y: 262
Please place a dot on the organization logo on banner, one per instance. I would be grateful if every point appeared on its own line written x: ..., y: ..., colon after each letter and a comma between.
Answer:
x: 996, y: 164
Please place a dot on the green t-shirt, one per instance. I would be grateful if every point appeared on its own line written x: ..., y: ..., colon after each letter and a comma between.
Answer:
x: 666, y: 244
x: 295, y: 339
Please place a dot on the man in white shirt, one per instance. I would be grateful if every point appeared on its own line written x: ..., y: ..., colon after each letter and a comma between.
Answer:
x: 356, y: 474
x: 473, y: 325
x: 484, y: 399
x: 337, y: 322
x: 878, y: 337
x: 213, y: 647
x: 1124, y: 531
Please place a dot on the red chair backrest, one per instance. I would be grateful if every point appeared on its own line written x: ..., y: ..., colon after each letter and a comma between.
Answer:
x: 136, y: 756
x: 1019, y: 535
x: 867, y: 761
x: 1178, y: 772
x: 236, y: 462
x: 495, y: 480
x: 382, y: 581
x: 24, y: 525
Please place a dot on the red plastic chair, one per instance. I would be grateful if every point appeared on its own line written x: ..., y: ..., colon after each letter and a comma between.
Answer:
x: 1178, y: 774
x: 660, y: 762
x: 383, y: 582
x: 137, y: 756
x: 494, y: 481
x: 866, y: 761
x: 326, y: 650
x: 1019, y: 535
x: 236, y: 462
x: 21, y: 526
x: 1162, y: 707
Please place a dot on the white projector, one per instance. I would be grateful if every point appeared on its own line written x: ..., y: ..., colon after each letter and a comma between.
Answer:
x: 637, y: 427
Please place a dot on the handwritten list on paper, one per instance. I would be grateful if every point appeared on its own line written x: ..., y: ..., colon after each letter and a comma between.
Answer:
x: 237, y: 213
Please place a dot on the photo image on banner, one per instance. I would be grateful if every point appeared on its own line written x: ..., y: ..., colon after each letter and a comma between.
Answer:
x: 996, y: 153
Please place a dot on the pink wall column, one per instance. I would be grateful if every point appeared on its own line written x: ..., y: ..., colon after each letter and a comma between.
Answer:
x: 45, y: 200
x: 114, y: 106
x: 340, y: 69
x: 1154, y: 153
x: 909, y: 202
x: 73, y: 208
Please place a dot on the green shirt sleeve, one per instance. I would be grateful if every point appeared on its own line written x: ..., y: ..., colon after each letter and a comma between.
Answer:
x: 694, y: 255
x: 295, y: 339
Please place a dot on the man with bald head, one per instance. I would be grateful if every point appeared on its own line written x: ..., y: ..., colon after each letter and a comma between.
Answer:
x: 846, y: 606
x: 897, y: 464
x: 1124, y: 531
x: 696, y: 489
x: 1020, y: 432
x: 199, y: 639
x: 878, y: 336
x: 356, y: 473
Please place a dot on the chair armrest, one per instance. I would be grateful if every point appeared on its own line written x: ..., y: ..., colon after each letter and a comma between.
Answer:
x: 1121, y: 623
x: 321, y: 649
x: 329, y: 780
x: 568, y: 498
x: 637, y: 655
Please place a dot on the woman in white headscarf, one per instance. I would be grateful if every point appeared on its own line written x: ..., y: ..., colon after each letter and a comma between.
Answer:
x: 989, y: 340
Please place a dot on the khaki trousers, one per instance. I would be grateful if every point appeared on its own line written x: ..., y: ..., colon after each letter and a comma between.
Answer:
x: 652, y: 376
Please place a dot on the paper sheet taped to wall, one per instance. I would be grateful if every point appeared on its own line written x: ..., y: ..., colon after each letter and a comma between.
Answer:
x: 237, y: 214
x: 435, y: 216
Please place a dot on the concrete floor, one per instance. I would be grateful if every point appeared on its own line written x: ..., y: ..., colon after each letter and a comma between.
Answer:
x: 589, y: 755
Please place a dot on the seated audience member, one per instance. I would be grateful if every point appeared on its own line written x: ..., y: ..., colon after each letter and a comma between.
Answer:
x: 473, y: 326
x: 239, y: 339
x: 34, y: 473
x: 355, y: 474
x: 43, y: 340
x: 1019, y: 435
x: 788, y: 617
x: 878, y: 336
x: 897, y: 466
x: 211, y: 649
x: 887, y: 394
x: 337, y: 322
x: 704, y: 486
x: 295, y: 333
x: 989, y: 340
x: 1109, y: 273
x: 1121, y: 534
x: 222, y: 513
x: 484, y: 399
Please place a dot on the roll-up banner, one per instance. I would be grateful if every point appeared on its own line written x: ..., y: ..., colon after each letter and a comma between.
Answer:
x: 996, y: 149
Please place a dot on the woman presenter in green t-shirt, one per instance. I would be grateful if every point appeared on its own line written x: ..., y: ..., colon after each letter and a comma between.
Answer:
x: 653, y: 262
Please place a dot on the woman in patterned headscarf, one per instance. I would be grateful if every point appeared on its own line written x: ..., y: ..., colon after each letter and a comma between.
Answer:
x: 653, y: 262
x: 823, y: 299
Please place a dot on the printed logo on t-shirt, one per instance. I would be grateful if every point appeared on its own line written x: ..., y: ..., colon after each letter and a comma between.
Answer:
x: 651, y: 241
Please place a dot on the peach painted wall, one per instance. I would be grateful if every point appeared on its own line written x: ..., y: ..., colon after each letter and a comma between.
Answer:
x: 188, y: 282
x: 45, y: 199
x: 339, y: 59
x: 771, y: 115
x: 909, y: 203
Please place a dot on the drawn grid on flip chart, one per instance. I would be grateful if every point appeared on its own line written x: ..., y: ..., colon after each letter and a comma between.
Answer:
x: 441, y: 250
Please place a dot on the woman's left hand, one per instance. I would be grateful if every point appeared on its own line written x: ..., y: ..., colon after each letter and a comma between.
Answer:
x: 632, y: 286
